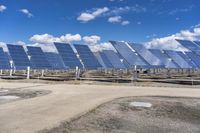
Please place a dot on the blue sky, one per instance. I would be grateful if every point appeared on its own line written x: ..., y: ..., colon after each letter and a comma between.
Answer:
x: 128, y: 20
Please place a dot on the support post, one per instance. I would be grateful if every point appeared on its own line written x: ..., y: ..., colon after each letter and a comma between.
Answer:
x: 134, y: 78
x: 11, y: 72
x: 11, y: 69
x: 28, y: 72
x: 42, y: 73
x: 77, y: 73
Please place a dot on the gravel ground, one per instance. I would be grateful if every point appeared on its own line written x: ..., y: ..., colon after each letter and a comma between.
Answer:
x: 167, y: 115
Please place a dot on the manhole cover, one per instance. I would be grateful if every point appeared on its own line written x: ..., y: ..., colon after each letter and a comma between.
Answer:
x: 8, y: 97
x: 2, y: 91
x: 141, y: 104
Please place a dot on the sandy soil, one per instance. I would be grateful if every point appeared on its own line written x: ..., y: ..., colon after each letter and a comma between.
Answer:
x: 66, y: 102
x: 167, y: 114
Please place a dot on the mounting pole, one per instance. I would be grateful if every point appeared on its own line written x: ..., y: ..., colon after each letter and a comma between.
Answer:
x: 11, y: 69
x: 77, y: 73
x: 28, y: 72
x: 134, y: 73
x: 42, y: 73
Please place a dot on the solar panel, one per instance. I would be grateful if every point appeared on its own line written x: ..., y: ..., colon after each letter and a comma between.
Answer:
x: 4, y: 61
x: 127, y: 65
x: 55, y: 60
x: 129, y: 55
x: 195, y: 58
x: 19, y: 57
x: 87, y: 57
x: 189, y: 45
x: 177, y: 58
x: 165, y: 59
x: 189, y: 61
x: 147, y: 55
x: 113, y: 59
x: 37, y: 58
x: 99, y: 58
x: 197, y: 42
x: 105, y: 60
x: 68, y: 56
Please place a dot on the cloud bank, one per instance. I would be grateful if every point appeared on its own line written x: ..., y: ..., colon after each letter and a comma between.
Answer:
x: 169, y: 42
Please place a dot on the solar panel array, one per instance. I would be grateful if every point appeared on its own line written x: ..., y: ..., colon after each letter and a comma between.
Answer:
x: 197, y: 42
x: 126, y: 56
x: 4, y: 60
x: 55, y: 61
x: 18, y: 56
x: 129, y: 55
x: 105, y: 62
x: 147, y: 55
x: 113, y: 58
x: 37, y: 58
x: 177, y: 58
x: 168, y: 62
x: 87, y: 57
x: 195, y: 58
x: 184, y: 56
x: 68, y: 55
x: 189, y: 45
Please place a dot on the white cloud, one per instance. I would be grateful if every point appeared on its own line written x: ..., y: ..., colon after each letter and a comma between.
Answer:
x: 26, y: 12
x: 45, y: 47
x: 3, y: 45
x: 101, y: 46
x: 95, y: 46
x: 88, y: 16
x: 120, y: 10
x: 21, y: 43
x: 115, y: 19
x: 70, y: 38
x: 118, y: 19
x: 169, y: 42
x: 94, y: 39
x: 2, y: 8
x: 125, y: 23
x: 45, y: 41
x: 44, y: 38
x: 50, y: 39
x: 183, y: 10
x: 116, y: 0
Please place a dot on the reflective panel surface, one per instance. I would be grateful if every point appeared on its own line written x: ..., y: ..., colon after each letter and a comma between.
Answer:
x: 147, y: 55
x: 19, y: 56
x: 38, y: 58
x: 113, y: 59
x: 169, y: 63
x: 4, y: 60
x: 128, y: 54
x: 195, y: 58
x: 55, y: 60
x: 68, y: 56
x: 177, y: 58
x: 87, y: 57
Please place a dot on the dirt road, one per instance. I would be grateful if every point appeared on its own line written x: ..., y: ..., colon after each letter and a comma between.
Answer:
x: 68, y: 101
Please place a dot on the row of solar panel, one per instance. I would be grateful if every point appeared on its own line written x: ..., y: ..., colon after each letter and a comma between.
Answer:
x: 128, y: 55
x: 137, y: 54
x: 66, y: 58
